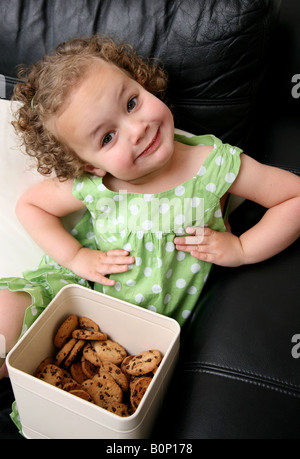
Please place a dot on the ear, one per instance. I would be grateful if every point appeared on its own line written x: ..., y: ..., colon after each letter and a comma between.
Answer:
x: 95, y: 170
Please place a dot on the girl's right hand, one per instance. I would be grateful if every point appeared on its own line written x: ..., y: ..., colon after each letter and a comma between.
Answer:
x: 94, y: 265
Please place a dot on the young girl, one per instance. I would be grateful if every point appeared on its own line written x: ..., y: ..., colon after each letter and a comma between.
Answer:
x: 156, y: 202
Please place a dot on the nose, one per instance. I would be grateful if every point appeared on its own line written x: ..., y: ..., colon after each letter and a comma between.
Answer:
x: 136, y: 130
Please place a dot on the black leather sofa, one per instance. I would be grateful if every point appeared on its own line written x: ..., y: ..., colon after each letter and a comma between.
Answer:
x: 232, y: 67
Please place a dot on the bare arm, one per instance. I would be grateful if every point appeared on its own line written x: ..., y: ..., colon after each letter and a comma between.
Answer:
x: 275, y: 189
x: 40, y: 209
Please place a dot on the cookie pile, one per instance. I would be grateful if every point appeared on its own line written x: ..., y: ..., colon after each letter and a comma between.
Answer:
x: 90, y: 365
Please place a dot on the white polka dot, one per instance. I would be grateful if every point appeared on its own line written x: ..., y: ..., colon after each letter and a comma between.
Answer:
x: 79, y: 186
x: 164, y: 208
x: 159, y: 262
x: 180, y: 256
x: 101, y: 187
x: 219, y: 161
x: 169, y: 273
x: 179, y: 219
x: 148, y: 197
x: 112, y: 239
x: 179, y: 190
x: 127, y: 247
x: 140, y: 234
x: 131, y: 283
x: 180, y: 283
x: 147, y: 271
x: 89, y: 198
x: 118, y: 286
x: 192, y: 290
x: 211, y: 187
x: 170, y: 247
x: 159, y: 234
x: 218, y: 213
x: 233, y: 151
x: 195, y: 268
x: 138, y: 261
x: 118, y: 220
x: 134, y: 210
x: 147, y: 225
x: 139, y: 298
x: 152, y: 308
x: 149, y: 246
x: 33, y: 311
x: 167, y: 298
x: 185, y: 314
x: 201, y: 171
x: 118, y: 197
x: 195, y: 201
x: 105, y: 209
x: 230, y: 177
x: 156, y: 288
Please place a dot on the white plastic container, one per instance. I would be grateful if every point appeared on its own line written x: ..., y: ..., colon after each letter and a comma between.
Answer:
x: 49, y: 412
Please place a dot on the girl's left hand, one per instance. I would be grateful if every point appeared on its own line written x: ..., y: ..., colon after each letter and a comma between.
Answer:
x: 223, y: 249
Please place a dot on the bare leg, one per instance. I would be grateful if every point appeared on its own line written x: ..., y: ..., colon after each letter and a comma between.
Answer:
x: 12, y: 309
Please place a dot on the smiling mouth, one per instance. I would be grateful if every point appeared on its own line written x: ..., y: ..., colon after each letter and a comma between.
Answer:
x: 152, y: 145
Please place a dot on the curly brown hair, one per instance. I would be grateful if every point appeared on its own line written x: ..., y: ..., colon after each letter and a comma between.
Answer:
x: 46, y: 85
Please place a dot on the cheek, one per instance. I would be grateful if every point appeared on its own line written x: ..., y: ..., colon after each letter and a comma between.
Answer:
x: 121, y: 160
x: 167, y: 118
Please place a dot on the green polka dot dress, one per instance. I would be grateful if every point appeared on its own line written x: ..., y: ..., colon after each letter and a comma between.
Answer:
x: 162, y: 279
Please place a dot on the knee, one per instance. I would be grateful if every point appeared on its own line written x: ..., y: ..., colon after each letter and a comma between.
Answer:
x: 14, y: 300
x: 12, y: 309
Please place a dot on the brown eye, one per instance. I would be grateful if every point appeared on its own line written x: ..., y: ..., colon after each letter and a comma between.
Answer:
x: 108, y: 138
x: 131, y: 104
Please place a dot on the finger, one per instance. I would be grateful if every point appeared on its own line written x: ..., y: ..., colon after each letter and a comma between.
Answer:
x: 103, y: 280
x: 114, y: 260
x: 186, y: 248
x: 192, y: 240
x: 199, y: 235
x: 203, y: 256
x: 117, y: 252
x: 113, y: 269
x: 200, y: 231
x: 197, y: 230
x: 187, y: 240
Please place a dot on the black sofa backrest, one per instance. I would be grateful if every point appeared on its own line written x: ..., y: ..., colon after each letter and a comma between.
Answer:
x: 214, y: 51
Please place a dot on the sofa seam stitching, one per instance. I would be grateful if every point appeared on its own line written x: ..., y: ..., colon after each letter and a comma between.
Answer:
x: 216, y: 367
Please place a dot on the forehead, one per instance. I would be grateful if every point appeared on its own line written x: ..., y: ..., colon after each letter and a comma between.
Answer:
x: 101, y: 84
x: 100, y: 76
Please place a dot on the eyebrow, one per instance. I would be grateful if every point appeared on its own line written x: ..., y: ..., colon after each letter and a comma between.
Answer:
x: 120, y: 92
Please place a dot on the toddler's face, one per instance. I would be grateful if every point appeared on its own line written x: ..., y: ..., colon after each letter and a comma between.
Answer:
x: 116, y: 126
